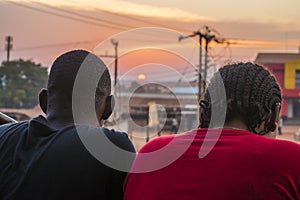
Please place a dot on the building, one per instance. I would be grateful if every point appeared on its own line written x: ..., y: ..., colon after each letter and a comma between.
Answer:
x: 286, y: 68
x: 176, y: 102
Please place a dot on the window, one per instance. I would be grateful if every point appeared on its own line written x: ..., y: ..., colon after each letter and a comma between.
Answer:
x: 297, y: 78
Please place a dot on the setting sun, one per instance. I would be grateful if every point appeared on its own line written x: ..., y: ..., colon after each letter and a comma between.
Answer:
x: 141, y: 77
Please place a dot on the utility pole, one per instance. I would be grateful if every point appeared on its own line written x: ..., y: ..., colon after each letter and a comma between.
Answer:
x: 115, y: 43
x: 197, y: 33
x: 206, y: 34
x: 209, y: 36
x: 8, y: 46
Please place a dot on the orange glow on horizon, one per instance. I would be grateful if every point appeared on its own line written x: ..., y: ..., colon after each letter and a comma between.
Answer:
x: 146, y: 56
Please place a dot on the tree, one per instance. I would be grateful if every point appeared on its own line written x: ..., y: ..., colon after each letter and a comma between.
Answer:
x: 20, y: 82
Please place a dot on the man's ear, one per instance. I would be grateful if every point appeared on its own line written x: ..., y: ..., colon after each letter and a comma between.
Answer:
x: 43, y: 100
x: 109, y: 107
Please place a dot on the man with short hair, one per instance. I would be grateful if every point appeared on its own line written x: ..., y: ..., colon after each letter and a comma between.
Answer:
x: 45, y: 158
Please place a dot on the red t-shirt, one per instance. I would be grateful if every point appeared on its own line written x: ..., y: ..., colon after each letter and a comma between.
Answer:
x: 241, y: 165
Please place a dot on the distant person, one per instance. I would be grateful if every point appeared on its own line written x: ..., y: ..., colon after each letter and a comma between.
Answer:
x: 242, y: 164
x: 44, y: 158
x: 174, y: 127
x: 280, y: 124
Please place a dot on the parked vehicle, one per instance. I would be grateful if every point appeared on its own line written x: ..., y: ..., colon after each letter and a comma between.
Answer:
x: 6, y: 119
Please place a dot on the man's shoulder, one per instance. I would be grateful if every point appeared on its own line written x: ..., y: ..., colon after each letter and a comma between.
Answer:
x: 113, y: 132
x: 4, y: 127
x: 110, y: 133
x: 88, y: 134
x: 12, y: 127
x: 119, y: 138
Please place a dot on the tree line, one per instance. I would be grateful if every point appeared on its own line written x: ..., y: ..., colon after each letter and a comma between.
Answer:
x: 20, y: 82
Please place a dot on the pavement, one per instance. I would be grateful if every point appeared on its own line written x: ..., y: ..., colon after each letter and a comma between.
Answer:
x: 288, y: 133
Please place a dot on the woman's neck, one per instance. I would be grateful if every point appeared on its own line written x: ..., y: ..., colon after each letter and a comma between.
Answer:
x: 236, y: 124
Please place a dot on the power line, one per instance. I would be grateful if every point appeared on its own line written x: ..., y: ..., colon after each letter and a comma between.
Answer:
x: 152, y: 41
x: 66, y: 16
x: 208, y: 35
x: 188, y: 63
x: 55, y: 45
x: 81, y: 15
x: 86, y: 19
x: 231, y: 41
x: 92, y: 18
x: 135, y: 19
x: 75, y: 43
x: 221, y: 55
x: 103, y: 20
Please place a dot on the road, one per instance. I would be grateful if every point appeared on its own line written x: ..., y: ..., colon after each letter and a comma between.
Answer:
x: 139, y: 138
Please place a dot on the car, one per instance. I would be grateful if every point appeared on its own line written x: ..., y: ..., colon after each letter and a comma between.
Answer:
x: 4, y: 119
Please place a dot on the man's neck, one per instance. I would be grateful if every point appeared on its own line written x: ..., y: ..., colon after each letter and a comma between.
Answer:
x: 60, y: 120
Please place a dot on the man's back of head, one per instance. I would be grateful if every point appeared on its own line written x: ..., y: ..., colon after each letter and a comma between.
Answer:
x: 58, y: 102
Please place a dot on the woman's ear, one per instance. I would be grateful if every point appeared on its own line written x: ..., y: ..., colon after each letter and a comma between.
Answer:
x: 269, y: 128
x: 203, y: 122
x: 109, y: 107
x: 43, y: 100
x: 272, y: 125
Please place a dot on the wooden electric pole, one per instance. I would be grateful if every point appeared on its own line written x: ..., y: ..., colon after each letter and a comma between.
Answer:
x: 8, y: 46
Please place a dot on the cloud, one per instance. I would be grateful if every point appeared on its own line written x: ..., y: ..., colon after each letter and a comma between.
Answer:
x: 127, y: 8
x: 131, y: 8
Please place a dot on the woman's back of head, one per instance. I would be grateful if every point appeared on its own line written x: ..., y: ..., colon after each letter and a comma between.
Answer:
x: 252, y: 95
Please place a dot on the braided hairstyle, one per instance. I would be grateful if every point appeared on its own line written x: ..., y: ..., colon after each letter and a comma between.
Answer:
x: 252, y: 94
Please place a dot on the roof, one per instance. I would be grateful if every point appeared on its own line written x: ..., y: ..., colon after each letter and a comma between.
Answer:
x: 276, y: 58
x: 185, y: 90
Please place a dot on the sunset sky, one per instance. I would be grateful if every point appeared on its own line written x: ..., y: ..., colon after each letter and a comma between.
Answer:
x: 42, y: 30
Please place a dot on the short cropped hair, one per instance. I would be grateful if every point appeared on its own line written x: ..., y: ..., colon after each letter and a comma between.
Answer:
x: 252, y: 93
x: 64, y: 71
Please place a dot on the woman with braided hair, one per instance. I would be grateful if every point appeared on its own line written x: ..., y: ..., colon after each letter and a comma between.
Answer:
x: 253, y: 98
x: 229, y: 155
